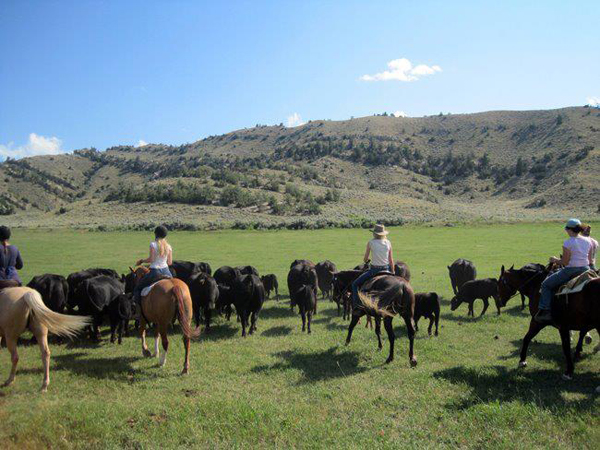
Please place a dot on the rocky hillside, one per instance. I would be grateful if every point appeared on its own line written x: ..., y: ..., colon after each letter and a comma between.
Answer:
x: 501, y: 165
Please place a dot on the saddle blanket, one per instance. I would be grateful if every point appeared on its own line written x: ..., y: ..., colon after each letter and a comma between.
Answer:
x: 578, y: 283
x: 147, y: 290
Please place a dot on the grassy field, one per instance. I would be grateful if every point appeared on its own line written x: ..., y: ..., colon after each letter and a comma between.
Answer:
x: 281, y: 388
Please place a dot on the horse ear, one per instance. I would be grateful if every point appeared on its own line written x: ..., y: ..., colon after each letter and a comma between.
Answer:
x: 512, y: 267
x: 502, y: 269
x: 132, y: 271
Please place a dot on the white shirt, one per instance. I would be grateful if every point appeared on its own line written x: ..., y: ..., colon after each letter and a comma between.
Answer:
x: 380, y: 252
x: 580, y: 249
x: 159, y: 262
x: 594, y: 248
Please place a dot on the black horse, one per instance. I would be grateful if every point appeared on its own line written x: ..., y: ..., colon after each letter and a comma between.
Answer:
x: 383, y: 297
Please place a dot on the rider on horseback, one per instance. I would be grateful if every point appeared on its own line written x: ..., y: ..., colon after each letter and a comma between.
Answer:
x: 576, y: 259
x: 160, y: 258
x: 380, y: 249
x: 10, y: 257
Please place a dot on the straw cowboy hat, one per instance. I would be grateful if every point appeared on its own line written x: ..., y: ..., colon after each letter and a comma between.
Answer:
x: 379, y: 230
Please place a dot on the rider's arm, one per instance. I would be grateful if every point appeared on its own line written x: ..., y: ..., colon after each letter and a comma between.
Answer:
x: 19, y: 261
x: 149, y: 259
x: 391, y: 261
x: 367, y: 251
x: 566, y: 256
x: 170, y: 257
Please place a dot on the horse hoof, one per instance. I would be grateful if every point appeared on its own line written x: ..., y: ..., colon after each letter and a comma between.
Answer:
x: 44, y: 389
x: 577, y: 356
x: 184, y: 371
x: 413, y: 362
x: 146, y: 354
x: 567, y: 377
x: 347, y: 343
x: 522, y: 364
x: 588, y: 339
x: 389, y: 360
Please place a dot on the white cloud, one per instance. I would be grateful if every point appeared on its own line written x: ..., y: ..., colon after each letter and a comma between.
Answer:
x: 400, y: 114
x: 402, y: 70
x: 593, y: 101
x: 141, y: 143
x: 36, y: 145
x: 295, y: 120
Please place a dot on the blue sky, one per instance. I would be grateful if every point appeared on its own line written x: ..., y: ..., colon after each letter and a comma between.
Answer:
x: 77, y: 74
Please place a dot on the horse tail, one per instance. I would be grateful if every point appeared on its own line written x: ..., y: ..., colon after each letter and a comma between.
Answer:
x: 184, y: 315
x: 61, y: 324
x: 371, y: 306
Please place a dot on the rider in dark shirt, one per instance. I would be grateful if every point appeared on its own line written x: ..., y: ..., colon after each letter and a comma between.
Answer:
x: 10, y: 257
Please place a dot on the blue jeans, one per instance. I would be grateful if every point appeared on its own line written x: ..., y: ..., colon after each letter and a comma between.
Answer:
x: 556, y: 279
x: 151, y: 277
x: 362, y: 279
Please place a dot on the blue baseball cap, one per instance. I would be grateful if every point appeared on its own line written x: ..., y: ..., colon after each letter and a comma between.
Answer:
x: 572, y: 223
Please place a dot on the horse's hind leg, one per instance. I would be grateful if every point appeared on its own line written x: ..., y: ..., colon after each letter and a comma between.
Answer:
x: 186, y: 362
x: 369, y: 322
x: 522, y: 302
x: 534, y: 329
x: 579, y: 346
x: 566, y: 345
x: 353, y: 322
x: 145, y: 351
x: 156, y: 338
x: 11, y: 345
x: 410, y: 331
x: 41, y: 334
x: 165, y: 344
x: 378, y: 332
x: 387, y: 322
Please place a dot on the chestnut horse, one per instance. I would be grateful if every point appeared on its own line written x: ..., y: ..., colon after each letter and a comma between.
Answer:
x: 383, y: 297
x: 578, y: 311
x: 168, y: 298
x: 22, y: 308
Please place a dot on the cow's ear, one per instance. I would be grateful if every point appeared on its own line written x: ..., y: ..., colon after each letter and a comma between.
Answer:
x: 512, y: 267
x: 448, y: 267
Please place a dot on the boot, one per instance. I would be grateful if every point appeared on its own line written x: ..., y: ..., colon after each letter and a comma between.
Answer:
x: 543, y: 316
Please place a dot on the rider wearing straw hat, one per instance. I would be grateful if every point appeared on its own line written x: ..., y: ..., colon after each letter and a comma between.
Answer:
x: 380, y: 251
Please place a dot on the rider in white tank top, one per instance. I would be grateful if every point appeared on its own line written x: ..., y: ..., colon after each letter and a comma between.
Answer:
x: 380, y: 251
x: 159, y: 262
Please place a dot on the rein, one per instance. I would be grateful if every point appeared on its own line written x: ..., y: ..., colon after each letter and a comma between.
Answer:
x: 520, y: 287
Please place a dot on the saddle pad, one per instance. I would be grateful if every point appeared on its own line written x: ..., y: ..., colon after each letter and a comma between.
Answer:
x: 147, y: 290
x: 578, y: 283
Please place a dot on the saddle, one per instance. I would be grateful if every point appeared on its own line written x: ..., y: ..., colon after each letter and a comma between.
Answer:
x: 8, y: 284
x: 578, y: 283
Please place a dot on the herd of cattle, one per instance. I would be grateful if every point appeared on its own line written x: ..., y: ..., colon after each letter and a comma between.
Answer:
x: 101, y: 293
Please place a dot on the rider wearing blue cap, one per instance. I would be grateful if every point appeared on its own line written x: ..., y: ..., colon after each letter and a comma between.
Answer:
x: 576, y: 259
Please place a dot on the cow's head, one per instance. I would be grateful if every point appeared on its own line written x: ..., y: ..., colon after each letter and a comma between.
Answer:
x: 455, y: 302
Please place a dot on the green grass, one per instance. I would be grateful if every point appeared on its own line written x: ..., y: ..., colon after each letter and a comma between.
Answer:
x: 282, y: 388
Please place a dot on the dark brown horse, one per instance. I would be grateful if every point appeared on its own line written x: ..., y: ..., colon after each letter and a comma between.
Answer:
x: 383, y: 297
x: 578, y: 311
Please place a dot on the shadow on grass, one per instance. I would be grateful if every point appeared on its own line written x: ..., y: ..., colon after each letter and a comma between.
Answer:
x: 95, y: 367
x: 325, y: 365
x: 277, y: 331
x: 544, y: 388
x: 551, y: 351
x: 221, y: 331
x: 278, y: 312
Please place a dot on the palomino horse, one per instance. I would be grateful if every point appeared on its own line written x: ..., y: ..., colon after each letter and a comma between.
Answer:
x: 383, y: 297
x: 578, y: 311
x: 168, y: 298
x: 22, y: 308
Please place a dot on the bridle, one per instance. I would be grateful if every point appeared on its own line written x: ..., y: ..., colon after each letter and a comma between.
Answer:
x: 517, y: 290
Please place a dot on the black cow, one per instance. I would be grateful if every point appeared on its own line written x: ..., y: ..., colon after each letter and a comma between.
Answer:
x: 205, y: 295
x: 76, y: 278
x: 427, y: 305
x: 298, y: 276
x: 474, y: 289
x: 461, y: 271
x: 184, y: 270
x: 205, y: 268
x: 93, y: 297
x: 227, y: 275
x: 306, y: 300
x: 120, y: 311
x: 248, y: 270
x: 308, y: 262
x: 325, y: 271
x: 54, y: 290
x: 270, y: 283
x: 342, y: 290
x: 401, y: 269
x: 248, y: 298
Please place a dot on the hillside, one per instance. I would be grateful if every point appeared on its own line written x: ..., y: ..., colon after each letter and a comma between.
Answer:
x: 500, y: 166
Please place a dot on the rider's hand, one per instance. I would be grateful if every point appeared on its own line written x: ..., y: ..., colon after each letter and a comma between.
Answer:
x: 554, y: 259
x: 138, y: 262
